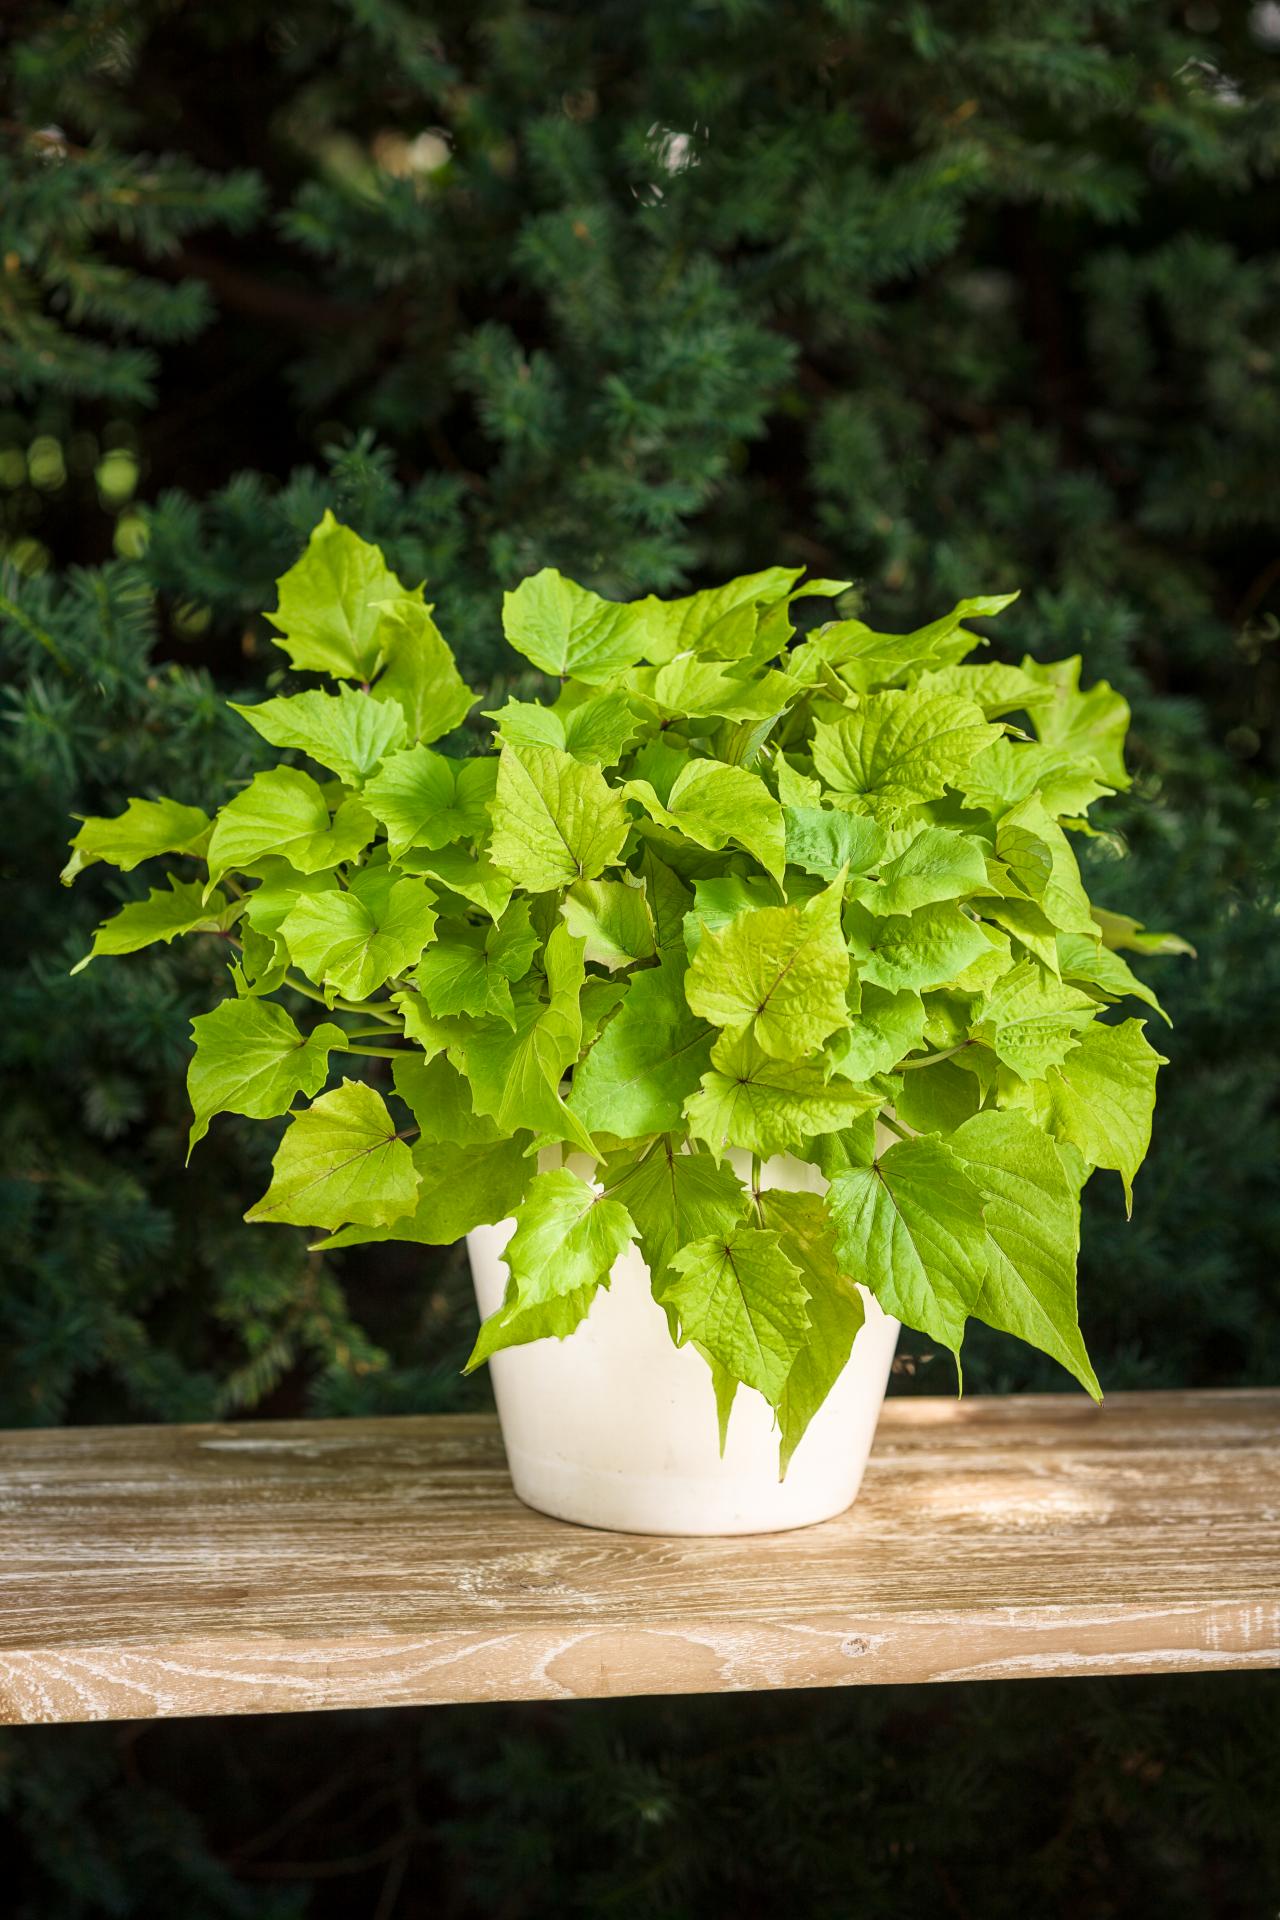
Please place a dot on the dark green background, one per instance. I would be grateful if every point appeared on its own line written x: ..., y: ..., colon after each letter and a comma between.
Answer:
x: 943, y: 298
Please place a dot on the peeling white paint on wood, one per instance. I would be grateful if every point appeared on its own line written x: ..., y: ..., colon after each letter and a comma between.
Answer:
x: 304, y: 1565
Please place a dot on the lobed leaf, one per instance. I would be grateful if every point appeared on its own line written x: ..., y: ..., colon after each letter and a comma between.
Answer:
x: 766, y: 1106
x: 283, y: 815
x: 425, y: 799
x: 647, y: 1062
x: 911, y: 1227
x: 351, y: 940
x: 743, y: 1304
x: 781, y: 973
x: 166, y: 913
x: 555, y: 820
x: 250, y: 1058
x: 340, y: 1161
x: 421, y: 676
x: 347, y: 732
x: 331, y: 614
x: 145, y: 828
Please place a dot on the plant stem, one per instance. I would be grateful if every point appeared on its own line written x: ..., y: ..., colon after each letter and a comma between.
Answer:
x: 299, y: 985
x: 304, y: 987
x: 893, y: 1126
x: 623, y: 1178
x: 380, y: 1053
x: 931, y: 1059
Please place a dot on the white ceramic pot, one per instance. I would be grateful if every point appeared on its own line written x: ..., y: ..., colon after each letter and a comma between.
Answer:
x: 616, y: 1427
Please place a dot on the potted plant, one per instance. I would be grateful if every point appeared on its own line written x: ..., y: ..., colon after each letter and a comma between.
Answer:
x: 737, y: 1003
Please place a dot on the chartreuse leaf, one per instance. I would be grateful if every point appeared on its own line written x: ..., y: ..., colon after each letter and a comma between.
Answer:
x: 781, y: 972
x: 1089, y: 726
x: 712, y: 805
x: 165, y: 913
x: 885, y: 1029
x: 514, y: 1325
x: 1061, y: 896
x: 720, y: 899
x: 647, y: 1061
x: 601, y: 999
x: 851, y: 1146
x: 1120, y: 930
x: 1101, y: 1097
x: 675, y: 1197
x: 425, y: 799
x: 1023, y: 921
x: 515, y: 1074
x: 567, y: 1236
x: 262, y: 967
x: 470, y: 969
x: 283, y: 814
x: 250, y: 1058
x: 144, y: 829
x: 1032, y: 1021
x: 555, y: 820
x: 937, y: 864
x: 566, y: 1241
x: 806, y: 1237
x: 711, y: 689
x: 331, y: 611
x: 669, y: 901
x: 434, y: 1033
x: 598, y: 729
x: 898, y: 749
x: 439, y: 1098
x: 472, y: 877
x: 768, y: 1106
x: 345, y: 731
x: 351, y: 940
x: 799, y: 789
x: 861, y: 659
x: 720, y: 622
x: 459, y: 1187
x: 996, y: 687
x: 1031, y: 1215
x: 469, y: 1176
x: 910, y: 1226
x: 421, y: 677
x: 613, y: 917
x: 928, y: 948
x: 340, y: 1161
x: 1026, y: 855
x: 1005, y: 774
x: 269, y: 903
x: 742, y: 1303
x: 939, y: 1098
x: 826, y: 842
x: 564, y: 628
x: 1092, y: 964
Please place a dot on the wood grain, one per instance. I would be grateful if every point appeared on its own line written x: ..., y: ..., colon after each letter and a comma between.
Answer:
x: 301, y: 1565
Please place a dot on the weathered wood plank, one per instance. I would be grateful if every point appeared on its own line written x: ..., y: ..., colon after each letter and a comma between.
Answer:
x: 293, y: 1566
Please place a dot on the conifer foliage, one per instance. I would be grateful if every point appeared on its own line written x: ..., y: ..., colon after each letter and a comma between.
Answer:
x: 955, y: 292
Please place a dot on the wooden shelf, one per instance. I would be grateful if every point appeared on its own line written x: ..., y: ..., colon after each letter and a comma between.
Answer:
x: 301, y: 1565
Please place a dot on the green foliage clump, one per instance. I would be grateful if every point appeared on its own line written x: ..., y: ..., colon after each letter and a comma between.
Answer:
x: 127, y: 1287
x: 741, y: 899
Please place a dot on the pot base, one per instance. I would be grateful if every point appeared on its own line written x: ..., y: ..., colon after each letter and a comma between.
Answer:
x: 615, y: 1427
x: 676, y: 1506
